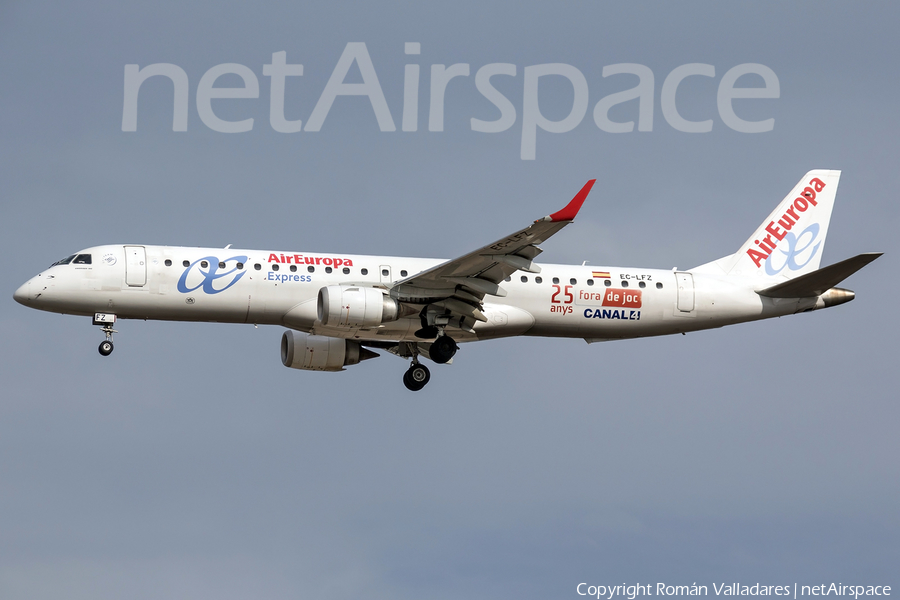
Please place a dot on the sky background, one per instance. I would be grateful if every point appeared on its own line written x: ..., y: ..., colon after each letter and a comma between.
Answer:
x: 192, y: 465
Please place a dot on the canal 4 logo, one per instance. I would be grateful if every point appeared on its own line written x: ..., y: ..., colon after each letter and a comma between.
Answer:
x: 623, y: 304
x: 610, y: 303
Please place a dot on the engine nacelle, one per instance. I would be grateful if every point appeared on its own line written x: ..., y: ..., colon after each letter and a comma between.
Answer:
x: 320, y: 353
x: 355, y: 306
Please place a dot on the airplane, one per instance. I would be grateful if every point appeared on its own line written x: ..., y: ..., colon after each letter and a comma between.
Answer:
x: 338, y: 308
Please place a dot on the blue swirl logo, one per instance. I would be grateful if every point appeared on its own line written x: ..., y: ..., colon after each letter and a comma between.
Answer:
x: 210, y: 278
x: 794, y: 248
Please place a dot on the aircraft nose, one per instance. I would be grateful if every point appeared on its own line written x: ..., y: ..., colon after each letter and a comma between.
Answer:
x: 23, y: 294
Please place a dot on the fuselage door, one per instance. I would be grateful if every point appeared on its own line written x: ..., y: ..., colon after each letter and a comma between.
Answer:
x: 385, y: 271
x: 685, y: 282
x: 135, y: 266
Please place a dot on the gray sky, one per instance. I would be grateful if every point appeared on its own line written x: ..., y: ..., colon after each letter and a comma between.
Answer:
x: 192, y: 464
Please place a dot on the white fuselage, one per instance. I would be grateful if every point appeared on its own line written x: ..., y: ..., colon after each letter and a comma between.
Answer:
x: 281, y: 288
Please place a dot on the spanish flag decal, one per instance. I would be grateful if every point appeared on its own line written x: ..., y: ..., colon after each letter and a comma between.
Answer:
x: 601, y: 274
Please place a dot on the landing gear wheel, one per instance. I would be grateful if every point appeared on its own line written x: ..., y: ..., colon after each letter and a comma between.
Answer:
x: 106, y: 320
x: 416, y: 377
x: 443, y: 349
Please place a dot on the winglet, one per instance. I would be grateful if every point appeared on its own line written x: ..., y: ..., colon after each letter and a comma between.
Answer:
x: 572, y: 208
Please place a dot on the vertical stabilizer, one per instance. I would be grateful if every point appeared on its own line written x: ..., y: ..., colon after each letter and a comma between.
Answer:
x: 791, y: 239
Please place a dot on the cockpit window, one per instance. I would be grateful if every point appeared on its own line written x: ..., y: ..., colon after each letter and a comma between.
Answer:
x: 82, y: 259
x: 64, y: 261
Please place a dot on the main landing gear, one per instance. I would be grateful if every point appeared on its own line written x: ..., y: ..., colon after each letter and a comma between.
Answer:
x: 416, y: 377
x: 441, y: 351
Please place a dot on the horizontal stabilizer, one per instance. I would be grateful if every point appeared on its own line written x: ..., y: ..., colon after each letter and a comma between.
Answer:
x: 818, y: 282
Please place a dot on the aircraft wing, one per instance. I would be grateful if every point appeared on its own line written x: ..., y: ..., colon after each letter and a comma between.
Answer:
x: 460, y: 284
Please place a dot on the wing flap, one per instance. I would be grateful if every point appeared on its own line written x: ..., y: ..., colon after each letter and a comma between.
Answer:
x: 520, y: 263
x: 462, y: 308
x: 479, y: 285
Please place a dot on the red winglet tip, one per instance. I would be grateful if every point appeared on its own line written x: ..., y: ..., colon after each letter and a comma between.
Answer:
x: 572, y: 208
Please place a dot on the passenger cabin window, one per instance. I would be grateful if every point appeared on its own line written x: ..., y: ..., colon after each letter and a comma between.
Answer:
x: 185, y: 263
x: 346, y: 270
x: 538, y: 280
x: 64, y: 261
x: 168, y: 262
x: 573, y: 281
x: 403, y: 273
x: 204, y: 264
x: 364, y: 271
x: 293, y: 268
x: 524, y: 279
x: 240, y: 266
x: 82, y: 259
x: 590, y: 282
x: 328, y: 269
x: 275, y: 267
x: 385, y: 272
x: 257, y: 266
x: 659, y: 286
x: 221, y: 265
x: 556, y: 280
x: 624, y: 284
x: 311, y: 269
x: 607, y: 283
x: 508, y: 279
x: 642, y: 284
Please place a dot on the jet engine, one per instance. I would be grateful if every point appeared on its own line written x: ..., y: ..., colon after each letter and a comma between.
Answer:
x: 355, y: 306
x: 320, y: 353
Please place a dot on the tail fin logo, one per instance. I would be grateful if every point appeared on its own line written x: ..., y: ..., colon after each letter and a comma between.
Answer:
x: 792, y: 250
x: 782, y: 230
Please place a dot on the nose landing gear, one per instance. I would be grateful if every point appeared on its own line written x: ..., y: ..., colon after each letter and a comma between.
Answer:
x: 106, y: 320
x: 106, y: 347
